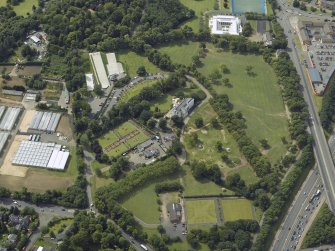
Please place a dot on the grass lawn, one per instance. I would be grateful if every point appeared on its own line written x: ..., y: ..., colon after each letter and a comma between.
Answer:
x: 122, y: 130
x: 134, y: 91
x: 42, y: 243
x: 199, y: 7
x: 258, y: 97
x: 246, y: 173
x: 182, y: 53
x: 26, y: 6
x: 200, y: 211
x: 97, y: 182
x: 194, y: 187
x: 236, y: 209
x: 131, y: 61
x: 209, y: 137
x: 66, y: 222
x: 126, y: 128
x: 53, y: 91
x: 318, y: 102
x: 143, y: 205
x: 56, y: 68
x: 108, y: 139
x: 163, y: 104
x: 3, y: 3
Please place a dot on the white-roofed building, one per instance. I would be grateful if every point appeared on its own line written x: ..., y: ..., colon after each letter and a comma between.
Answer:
x: 40, y: 154
x: 35, y: 39
x: 99, y: 69
x: 222, y: 24
x: 114, y: 68
x: 89, y: 81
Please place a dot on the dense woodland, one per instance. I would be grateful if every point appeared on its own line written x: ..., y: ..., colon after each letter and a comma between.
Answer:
x: 328, y: 108
x: 13, y: 31
x: 89, y: 232
x: 322, y: 230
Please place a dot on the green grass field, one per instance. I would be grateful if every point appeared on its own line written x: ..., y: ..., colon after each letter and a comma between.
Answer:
x: 3, y: 3
x: 126, y: 128
x: 246, y: 173
x: 193, y: 187
x: 134, y: 91
x: 143, y: 205
x: 257, y: 97
x: 25, y: 7
x: 123, y: 130
x: 199, y: 7
x: 55, y: 228
x: 181, y: 53
x: 236, y: 209
x: 200, y: 211
x: 131, y: 61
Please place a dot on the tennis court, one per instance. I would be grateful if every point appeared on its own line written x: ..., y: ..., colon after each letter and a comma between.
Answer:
x: 243, y: 6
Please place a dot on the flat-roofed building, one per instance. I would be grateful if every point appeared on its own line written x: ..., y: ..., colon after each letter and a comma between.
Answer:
x: 89, y: 81
x: 222, y: 24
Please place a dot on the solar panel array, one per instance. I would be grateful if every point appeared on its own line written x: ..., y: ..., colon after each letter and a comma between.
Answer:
x: 8, y: 120
x: 39, y: 154
x: 3, y: 139
x: 45, y: 121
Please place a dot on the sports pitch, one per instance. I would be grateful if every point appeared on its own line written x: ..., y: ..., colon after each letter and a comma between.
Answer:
x: 237, y: 209
x: 243, y: 6
x: 200, y: 212
x: 122, y: 138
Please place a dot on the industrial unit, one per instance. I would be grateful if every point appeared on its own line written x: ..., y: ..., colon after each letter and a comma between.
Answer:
x: 39, y: 154
x: 3, y: 140
x: 9, y: 119
x: 45, y: 121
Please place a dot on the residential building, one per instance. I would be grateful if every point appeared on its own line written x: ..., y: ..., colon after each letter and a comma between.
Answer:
x: 175, y: 212
x: 13, y: 220
x: 12, y: 238
x: 181, y: 109
x: 223, y: 24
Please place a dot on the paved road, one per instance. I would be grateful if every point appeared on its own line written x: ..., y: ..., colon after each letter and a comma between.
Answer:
x: 88, y: 158
x: 294, y: 224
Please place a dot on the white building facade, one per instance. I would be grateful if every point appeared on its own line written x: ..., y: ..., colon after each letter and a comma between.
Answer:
x: 223, y: 24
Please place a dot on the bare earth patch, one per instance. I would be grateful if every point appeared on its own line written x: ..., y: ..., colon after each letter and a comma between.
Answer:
x: 64, y: 127
x: 7, y: 167
x: 28, y: 116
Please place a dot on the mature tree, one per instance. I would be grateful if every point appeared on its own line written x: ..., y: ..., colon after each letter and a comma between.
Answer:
x: 247, y: 30
x: 199, y: 122
x: 141, y: 71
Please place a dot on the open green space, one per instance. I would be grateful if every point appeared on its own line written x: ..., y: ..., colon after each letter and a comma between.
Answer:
x: 181, y: 53
x: 56, y: 68
x: 25, y: 7
x: 125, y: 128
x: 143, y: 205
x: 135, y: 90
x: 256, y: 95
x: 117, y: 134
x: 236, y: 209
x: 199, y: 7
x: 131, y: 61
x: 3, y: 3
x: 193, y: 187
x: 246, y: 173
x: 97, y: 182
x: 62, y: 224
x: 53, y: 91
x: 200, y: 212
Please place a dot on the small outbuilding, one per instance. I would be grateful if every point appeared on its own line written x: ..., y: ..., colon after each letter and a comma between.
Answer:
x: 174, y: 211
